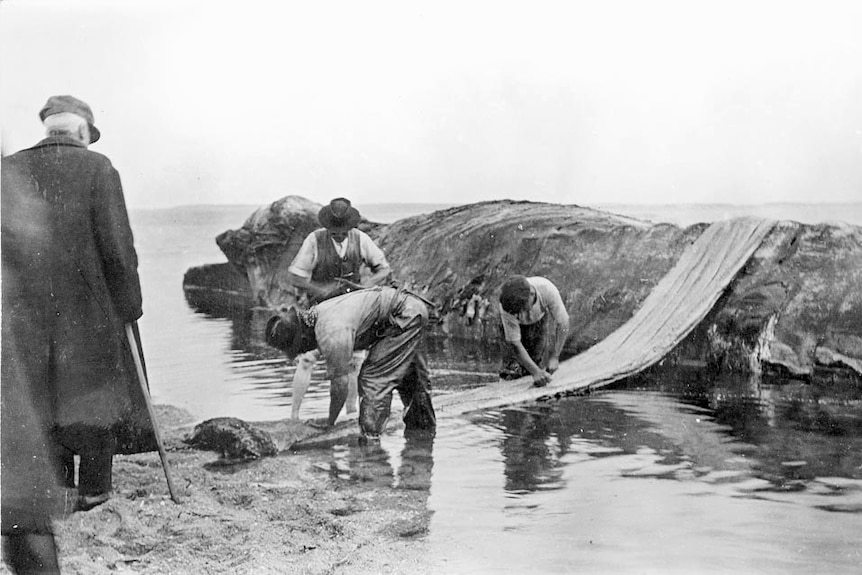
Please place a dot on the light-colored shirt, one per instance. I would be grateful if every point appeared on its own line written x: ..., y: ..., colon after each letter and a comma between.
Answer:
x: 548, y: 300
x: 340, y: 320
x: 306, y: 258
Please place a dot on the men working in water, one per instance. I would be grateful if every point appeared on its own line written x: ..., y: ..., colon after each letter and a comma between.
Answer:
x: 390, y: 324
x: 535, y: 326
x: 329, y: 263
x: 85, y: 281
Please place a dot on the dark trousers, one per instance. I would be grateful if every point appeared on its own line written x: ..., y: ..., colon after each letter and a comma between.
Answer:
x: 414, y: 389
x: 538, y: 342
x: 96, y: 466
x: 415, y: 393
x: 31, y: 553
x: 395, y: 361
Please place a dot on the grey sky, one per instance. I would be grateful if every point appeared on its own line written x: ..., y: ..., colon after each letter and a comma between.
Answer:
x: 572, y: 102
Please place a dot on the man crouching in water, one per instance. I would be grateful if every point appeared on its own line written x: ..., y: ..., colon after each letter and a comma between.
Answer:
x: 390, y: 324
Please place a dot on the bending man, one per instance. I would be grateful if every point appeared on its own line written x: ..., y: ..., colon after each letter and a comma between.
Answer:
x: 329, y: 263
x: 535, y: 326
x: 390, y: 324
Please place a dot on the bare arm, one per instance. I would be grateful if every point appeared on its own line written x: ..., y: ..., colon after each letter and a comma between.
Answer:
x: 540, y: 376
x: 377, y: 277
x: 318, y: 289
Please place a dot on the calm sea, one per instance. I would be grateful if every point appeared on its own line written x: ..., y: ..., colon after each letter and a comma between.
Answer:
x: 679, y: 474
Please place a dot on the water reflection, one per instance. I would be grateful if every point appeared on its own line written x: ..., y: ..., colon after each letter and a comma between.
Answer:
x: 532, y: 458
x: 678, y: 471
x: 417, y: 461
x: 538, y: 442
x: 697, y: 424
x: 793, y: 430
x: 741, y: 447
x: 381, y: 469
x: 623, y: 481
x: 371, y: 464
x: 458, y: 365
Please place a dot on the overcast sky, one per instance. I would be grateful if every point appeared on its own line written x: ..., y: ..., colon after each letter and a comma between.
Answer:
x: 589, y: 102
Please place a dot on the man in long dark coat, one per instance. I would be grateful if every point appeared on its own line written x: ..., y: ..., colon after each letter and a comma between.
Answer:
x: 78, y: 360
x: 30, y: 491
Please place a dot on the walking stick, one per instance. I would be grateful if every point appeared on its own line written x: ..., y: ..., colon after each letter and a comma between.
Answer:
x: 145, y: 388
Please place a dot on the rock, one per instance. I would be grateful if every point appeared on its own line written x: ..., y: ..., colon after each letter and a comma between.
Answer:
x: 233, y: 438
x: 603, y: 264
x: 218, y: 289
x: 795, y: 308
x: 266, y: 243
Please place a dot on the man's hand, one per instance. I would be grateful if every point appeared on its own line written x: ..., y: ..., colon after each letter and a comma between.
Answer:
x: 349, y: 284
x: 541, y: 379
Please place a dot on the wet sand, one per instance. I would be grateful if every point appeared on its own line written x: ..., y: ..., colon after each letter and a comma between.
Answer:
x: 289, y: 513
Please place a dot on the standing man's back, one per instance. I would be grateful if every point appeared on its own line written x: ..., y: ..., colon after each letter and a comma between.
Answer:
x: 84, y: 377
x: 30, y: 491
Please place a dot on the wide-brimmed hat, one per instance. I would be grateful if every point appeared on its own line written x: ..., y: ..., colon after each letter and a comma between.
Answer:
x: 339, y: 215
x: 72, y: 105
x: 287, y: 333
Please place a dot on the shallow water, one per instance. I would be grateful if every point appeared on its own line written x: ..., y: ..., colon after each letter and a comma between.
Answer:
x: 673, y: 473
x: 637, y: 481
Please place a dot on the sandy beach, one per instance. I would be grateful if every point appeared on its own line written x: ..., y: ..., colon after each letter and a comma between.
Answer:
x: 291, y: 513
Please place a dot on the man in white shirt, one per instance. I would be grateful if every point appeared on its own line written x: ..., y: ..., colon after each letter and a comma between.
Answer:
x: 330, y: 260
x: 329, y: 263
x: 535, y: 324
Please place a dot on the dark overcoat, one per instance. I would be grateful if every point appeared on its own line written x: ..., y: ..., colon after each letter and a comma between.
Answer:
x: 29, y: 489
x: 81, y: 287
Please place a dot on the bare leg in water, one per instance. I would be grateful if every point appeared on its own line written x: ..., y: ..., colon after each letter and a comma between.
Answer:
x: 302, y: 380
x: 353, y: 389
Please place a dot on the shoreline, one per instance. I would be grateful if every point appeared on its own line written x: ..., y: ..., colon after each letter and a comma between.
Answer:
x: 296, y: 512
